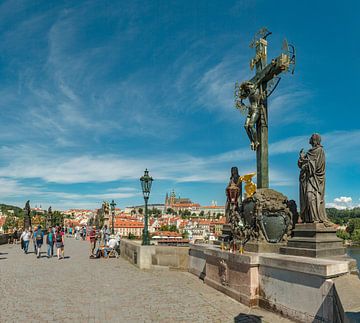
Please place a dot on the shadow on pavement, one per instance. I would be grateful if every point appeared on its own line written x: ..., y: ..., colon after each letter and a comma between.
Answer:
x: 247, y: 318
x: 3, y: 258
x: 67, y: 257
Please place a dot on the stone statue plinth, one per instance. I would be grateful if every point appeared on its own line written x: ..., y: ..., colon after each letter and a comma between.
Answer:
x: 263, y: 246
x: 314, y: 240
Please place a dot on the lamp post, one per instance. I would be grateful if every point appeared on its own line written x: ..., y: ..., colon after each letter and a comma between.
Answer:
x: 146, y: 182
x: 112, y: 205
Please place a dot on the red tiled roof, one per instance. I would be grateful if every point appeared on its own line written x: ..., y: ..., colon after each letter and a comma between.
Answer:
x: 128, y: 224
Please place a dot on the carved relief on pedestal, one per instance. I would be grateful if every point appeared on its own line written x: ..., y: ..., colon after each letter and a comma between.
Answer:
x: 223, y: 273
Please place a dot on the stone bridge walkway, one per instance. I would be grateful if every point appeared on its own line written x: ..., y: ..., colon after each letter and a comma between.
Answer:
x: 79, y: 289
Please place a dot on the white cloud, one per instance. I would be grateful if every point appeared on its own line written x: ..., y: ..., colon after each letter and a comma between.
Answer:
x: 343, y: 199
x: 342, y: 203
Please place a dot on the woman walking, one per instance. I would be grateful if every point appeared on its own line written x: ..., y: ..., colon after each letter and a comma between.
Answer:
x: 59, y: 236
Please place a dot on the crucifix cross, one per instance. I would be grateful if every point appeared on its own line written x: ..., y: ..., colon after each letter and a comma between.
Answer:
x: 257, y: 90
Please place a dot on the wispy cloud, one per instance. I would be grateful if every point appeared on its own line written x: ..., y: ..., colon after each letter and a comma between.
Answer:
x: 342, y: 203
x: 287, y: 105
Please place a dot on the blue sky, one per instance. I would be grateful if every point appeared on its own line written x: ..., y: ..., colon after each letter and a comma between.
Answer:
x: 93, y: 92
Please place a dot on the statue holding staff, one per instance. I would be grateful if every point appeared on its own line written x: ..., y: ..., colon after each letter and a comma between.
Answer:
x: 312, y: 183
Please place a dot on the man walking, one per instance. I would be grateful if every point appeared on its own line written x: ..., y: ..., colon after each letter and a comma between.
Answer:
x: 39, y: 240
x: 50, y: 243
x: 25, y: 236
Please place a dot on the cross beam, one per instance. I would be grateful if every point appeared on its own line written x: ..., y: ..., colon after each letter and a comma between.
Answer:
x: 264, y: 73
x: 261, y: 78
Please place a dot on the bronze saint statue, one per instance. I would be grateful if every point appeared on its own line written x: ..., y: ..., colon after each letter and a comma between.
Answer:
x: 312, y: 183
x: 234, y: 180
x: 27, y: 217
x: 249, y: 91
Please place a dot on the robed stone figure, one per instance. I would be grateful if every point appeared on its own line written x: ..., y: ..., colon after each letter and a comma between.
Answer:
x: 234, y: 179
x: 27, y: 217
x: 312, y: 183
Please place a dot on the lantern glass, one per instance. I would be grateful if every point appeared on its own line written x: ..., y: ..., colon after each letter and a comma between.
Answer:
x: 112, y: 204
x: 146, y: 182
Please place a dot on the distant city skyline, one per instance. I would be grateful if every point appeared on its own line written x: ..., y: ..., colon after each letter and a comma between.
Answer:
x: 94, y: 92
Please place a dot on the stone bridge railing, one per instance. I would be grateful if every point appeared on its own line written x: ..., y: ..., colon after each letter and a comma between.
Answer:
x: 3, y: 238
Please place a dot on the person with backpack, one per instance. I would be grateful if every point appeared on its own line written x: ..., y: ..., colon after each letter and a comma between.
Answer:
x: 33, y: 237
x: 39, y: 240
x: 59, y: 238
x: 50, y: 243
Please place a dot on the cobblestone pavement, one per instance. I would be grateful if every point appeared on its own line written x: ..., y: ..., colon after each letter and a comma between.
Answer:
x: 79, y: 289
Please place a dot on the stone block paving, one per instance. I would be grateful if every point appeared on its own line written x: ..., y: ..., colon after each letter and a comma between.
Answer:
x: 79, y: 289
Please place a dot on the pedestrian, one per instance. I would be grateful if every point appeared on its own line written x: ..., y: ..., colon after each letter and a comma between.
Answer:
x: 21, y: 240
x: 25, y: 236
x: 59, y: 238
x: 50, y: 243
x: 39, y: 240
x: 100, y: 236
x: 92, y: 240
x: 106, y: 235
x: 10, y: 237
x: 118, y: 237
x: 77, y: 233
x: 15, y: 236
x: 84, y: 233
x: 33, y: 237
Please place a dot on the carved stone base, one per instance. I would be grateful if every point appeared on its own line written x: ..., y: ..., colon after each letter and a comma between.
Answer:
x: 314, y: 240
x: 264, y: 247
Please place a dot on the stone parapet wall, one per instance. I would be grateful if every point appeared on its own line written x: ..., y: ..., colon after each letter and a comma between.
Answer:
x: 3, y: 238
x: 299, y: 288
x: 148, y: 257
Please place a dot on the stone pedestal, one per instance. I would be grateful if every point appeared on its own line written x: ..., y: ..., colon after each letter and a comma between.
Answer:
x: 263, y: 247
x: 314, y: 240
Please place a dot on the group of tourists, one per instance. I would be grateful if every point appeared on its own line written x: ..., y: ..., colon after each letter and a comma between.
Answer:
x: 102, y: 242
x: 76, y: 232
x: 53, y: 237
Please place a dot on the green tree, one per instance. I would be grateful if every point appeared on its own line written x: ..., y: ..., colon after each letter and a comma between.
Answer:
x: 355, y: 237
x: 10, y: 222
x: 185, y: 235
x: 57, y: 218
x: 140, y: 210
x: 342, y: 234
x: 353, y: 225
x: 169, y: 228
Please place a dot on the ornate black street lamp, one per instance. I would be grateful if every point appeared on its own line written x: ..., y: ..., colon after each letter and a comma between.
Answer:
x: 146, y: 182
x: 112, y: 205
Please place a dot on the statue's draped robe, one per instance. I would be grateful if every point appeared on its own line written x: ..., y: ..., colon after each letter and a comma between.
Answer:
x: 312, y: 186
x: 233, y: 179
